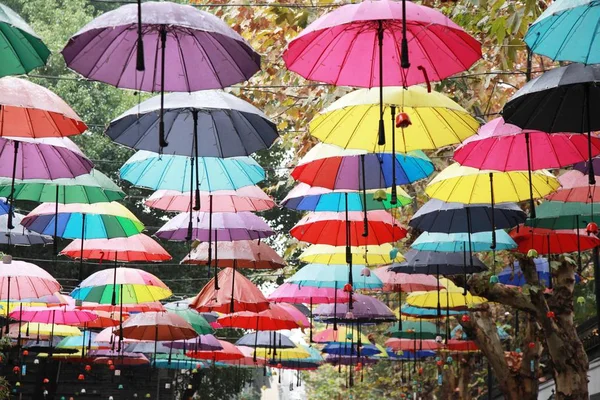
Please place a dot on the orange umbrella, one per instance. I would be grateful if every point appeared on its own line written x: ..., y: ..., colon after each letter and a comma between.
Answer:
x: 229, y: 352
x: 273, y: 319
x: 243, y: 296
x: 238, y: 254
x: 105, y: 320
x: 461, y: 345
x: 411, y: 344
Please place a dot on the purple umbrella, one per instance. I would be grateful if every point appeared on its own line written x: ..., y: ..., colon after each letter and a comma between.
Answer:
x: 225, y: 227
x: 200, y: 343
x: 365, y: 309
x: 202, y: 51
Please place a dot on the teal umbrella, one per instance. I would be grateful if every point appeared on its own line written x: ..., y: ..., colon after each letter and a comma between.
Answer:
x: 459, y: 242
x: 427, y: 313
x: 334, y: 276
x: 21, y: 49
x: 559, y: 215
x: 422, y: 329
x: 193, y: 317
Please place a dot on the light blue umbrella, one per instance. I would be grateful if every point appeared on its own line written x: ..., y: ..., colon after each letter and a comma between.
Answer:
x: 427, y: 313
x: 169, y: 172
x: 334, y: 276
x: 459, y: 242
x: 569, y: 30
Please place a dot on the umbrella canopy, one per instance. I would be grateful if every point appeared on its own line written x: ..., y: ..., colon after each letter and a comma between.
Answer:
x: 333, y: 167
x: 460, y: 345
x: 266, y: 340
x: 224, y: 227
x: 94, y: 187
x: 90, y: 221
x: 427, y: 313
x: 575, y: 188
x: 433, y: 262
x: 513, y: 276
x: 353, y: 360
x: 363, y: 255
x: 136, y: 248
x: 333, y: 276
x: 229, y: 126
x: 244, y: 296
x: 560, y: 215
x: 343, y: 349
x: 156, y: 326
x: 54, y: 315
x: 23, y: 280
x: 45, y: 158
x: 169, y: 172
x: 247, y: 198
x: 77, y: 342
x: 229, y: 352
x: 352, y: 121
x: 455, y: 300
x: 343, y: 333
x: 306, y: 198
x: 584, y: 166
x: 19, y: 236
x: 299, y: 312
x: 32, y: 111
x: 413, y: 329
x: 295, y: 293
x: 366, y: 309
x: 501, y: 146
x: 546, y: 241
x: 274, y: 318
x: 310, y: 363
x: 341, y: 48
x: 202, y: 342
x: 105, y: 319
x: 23, y: 49
x: 193, y: 317
x: 468, y: 185
x: 409, y: 345
x: 439, y: 216
x: 563, y: 32
x: 459, y: 242
x: 41, y: 329
x: 138, y: 286
x: 330, y: 228
x: 120, y: 358
x: 104, y: 49
x: 177, y: 362
x: 109, y: 336
x: 399, y: 282
x: 239, y: 254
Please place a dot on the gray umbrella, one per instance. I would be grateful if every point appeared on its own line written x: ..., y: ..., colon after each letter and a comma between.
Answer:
x: 440, y: 263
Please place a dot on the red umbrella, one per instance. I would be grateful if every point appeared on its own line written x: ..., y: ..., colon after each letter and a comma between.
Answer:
x: 229, y: 352
x: 547, y: 241
x: 575, y: 188
x: 411, y: 344
x: 273, y: 319
x: 461, y: 345
x: 137, y: 248
x: 330, y: 228
x: 156, y: 326
x: 248, y: 359
x: 243, y: 296
x: 238, y: 254
x: 127, y: 308
x: 400, y: 282
x: 104, y: 320
x: 120, y: 358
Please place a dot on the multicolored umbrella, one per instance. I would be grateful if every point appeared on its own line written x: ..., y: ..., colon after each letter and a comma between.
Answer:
x: 238, y: 254
x: 330, y: 228
x: 462, y: 242
x: 265, y: 340
x: 247, y: 198
x: 299, y: 312
x: 202, y: 342
x: 229, y: 352
x: 295, y: 293
x: 193, y: 317
x: 22, y: 280
x: 575, y: 188
x: 333, y: 167
x: 427, y: 313
x: 343, y: 334
x: 409, y: 345
x: 169, y: 172
x: 156, y: 326
x: 23, y: 49
x: 66, y: 315
x: 38, y: 329
x: 136, y: 248
x: 363, y: 255
x: 346, y: 350
x: 334, y: 276
x: 422, y: 330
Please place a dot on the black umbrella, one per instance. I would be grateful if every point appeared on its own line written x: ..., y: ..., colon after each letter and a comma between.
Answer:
x: 560, y: 100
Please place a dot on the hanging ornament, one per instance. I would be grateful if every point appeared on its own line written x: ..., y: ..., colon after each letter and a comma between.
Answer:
x: 17, y: 384
x: 518, y: 350
x: 466, y: 318
x: 88, y: 368
x: 348, y: 288
x: 439, y: 363
x: 380, y: 195
x: 111, y: 367
x: 393, y: 253
x: 592, y: 228
x: 403, y: 120
x: 81, y: 377
x: 349, y: 336
x: 532, y: 253
x: 46, y: 380
x: 438, y: 339
x: 531, y: 345
x: 120, y: 387
x: 449, y: 360
x: 551, y: 315
x: 349, y: 315
x: 36, y: 361
x: 366, y: 272
x: 16, y: 370
x: 280, y: 280
x: 494, y: 279
x: 25, y: 353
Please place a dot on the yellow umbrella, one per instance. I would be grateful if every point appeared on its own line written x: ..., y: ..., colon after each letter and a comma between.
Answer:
x: 35, y: 328
x: 343, y: 334
x: 468, y: 185
x: 282, y: 354
x: 447, y: 299
x: 77, y: 354
x: 361, y: 255
x: 14, y: 305
x: 352, y: 121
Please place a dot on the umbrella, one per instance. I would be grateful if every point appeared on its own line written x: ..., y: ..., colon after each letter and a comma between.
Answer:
x: 225, y: 227
x: 584, y: 168
x: 156, y: 326
x: 333, y: 167
x: 365, y: 309
x: 427, y: 313
x: 193, y: 40
x: 208, y: 123
x: 462, y: 242
x: 432, y: 262
x: 513, y: 276
x: 22, y: 280
x: 575, y: 189
x: 23, y: 49
x: 559, y: 100
x: 105, y: 319
x: 295, y: 293
x: 455, y: 345
x: 334, y: 359
x: 363, y: 255
x: 247, y: 198
x: 266, y: 340
x: 500, y: 146
x: 398, y: 344
x: 54, y: 315
x: 455, y: 300
x: 563, y: 32
x: 202, y: 342
x: 299, y: 312
x: 468, y: 185
x: 345, y: 350
x: 422, y: 329
x: 120, y: 358
x: 77, y: 342
x: 19, y: 235
x: 238, y: 254
x: 274, y: 318
x: 193, y: 317
x: 108, y: 336
x: 400, y: 282
x: 244, y: 296
x: 333, y: 276
x: 561, y: 215
x: 306, y: 198
x: 310, y: 363
x: 330, y: 228
x: 155, y: 171
x: 136, y: 248
x: 40, y: 329
x: 439, y: 216
x: 546, y: 241
x: 341, y: 335
x: 248, y: 359
x: 229, y: 352
x: 177, y: 362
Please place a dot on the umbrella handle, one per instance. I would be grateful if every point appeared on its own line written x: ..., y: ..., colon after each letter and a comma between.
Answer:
x: 394, y: 199
x: 381, y: 131
x: 9, y: 223
x: 404, y: 62
x: 161, y: 125
x: 139, y: 65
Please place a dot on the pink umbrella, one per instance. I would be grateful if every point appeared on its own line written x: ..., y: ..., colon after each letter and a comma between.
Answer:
x: 121, y: 358
x: 298, y: 316
x: 107, y: 337
x: 64, y: 315
x: 400, y: 282
x: 248, y: 359
x: 293, y: 293
x: 136, y: 248
x: 575, y: 188
x: 248, y: 198
x: 22, y: 280
x: 274, y: 318
x: 238, y: 254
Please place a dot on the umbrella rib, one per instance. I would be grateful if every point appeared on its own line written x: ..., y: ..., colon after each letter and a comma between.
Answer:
x: 182, y: 59
x: 212, y: 67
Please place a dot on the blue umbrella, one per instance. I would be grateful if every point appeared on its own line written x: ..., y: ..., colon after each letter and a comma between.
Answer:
x: 567, y: 31
x: 346, y: 349
x: 4, y: 207
x: 334, y: 276
x: 514, y: 277
x: 459, y: 242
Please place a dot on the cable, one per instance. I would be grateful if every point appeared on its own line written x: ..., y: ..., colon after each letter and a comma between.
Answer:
x: 196, y: 3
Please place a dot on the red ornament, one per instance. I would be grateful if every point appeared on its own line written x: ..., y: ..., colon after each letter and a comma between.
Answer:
x: 81, y: 377
x: 25, y: 353
x: 111, y: 367
x: 359, y: 364
x: 531, y: 345
x: 592, y: 228
x: 403, y: 120
x: 357, y: 368
x: 198, y: 366
x: 466, y: 318
x: 46, y: 380
x: 279, y: 365
x: 348, y: 288
x: 109, y: 362
x: 16, y: 369
x: 421, y: 371
x: 88, y: 368
x: 440, y: 363
x: 550, y: 314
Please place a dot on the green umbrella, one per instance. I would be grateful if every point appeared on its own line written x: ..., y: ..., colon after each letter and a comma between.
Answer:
x: 561, y: 215
x: 193, y: 317
x: 21, y: 50
x: 422, y: 330
x: 94, y: 187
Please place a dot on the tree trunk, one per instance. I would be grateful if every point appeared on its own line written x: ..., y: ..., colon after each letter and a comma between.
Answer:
x: 465, y: 364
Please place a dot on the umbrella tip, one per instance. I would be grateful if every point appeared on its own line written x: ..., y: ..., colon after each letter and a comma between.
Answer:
x: 7, y: 259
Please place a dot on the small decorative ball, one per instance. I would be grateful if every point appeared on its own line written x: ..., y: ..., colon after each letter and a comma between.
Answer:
x: 531, y: 345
